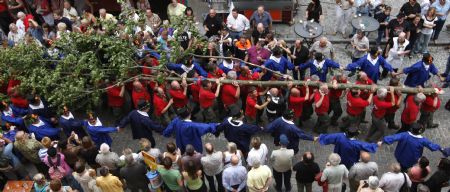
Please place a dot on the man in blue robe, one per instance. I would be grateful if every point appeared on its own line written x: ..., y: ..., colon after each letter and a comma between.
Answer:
x: 236, y: 131
x: 346, y: 145
x: 69, y: 124
x: 141, y: 124
x: 410, y: 145
x: 319, y: 66
x: 42, y: 129
x: 285, y: 125
x: 419, y: 73
x: 187, y: 66
x: 11, y: 114
x: 188, y: 132
x: 370, y: 64
x: 98, y: 132
x: 39, y: 107
x: 276, y: 62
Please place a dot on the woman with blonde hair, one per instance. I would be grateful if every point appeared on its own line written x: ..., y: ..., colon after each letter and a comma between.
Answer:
x: 426, y: 32
x: 232, y: 150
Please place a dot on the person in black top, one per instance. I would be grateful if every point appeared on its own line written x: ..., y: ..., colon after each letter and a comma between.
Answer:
x: 299, y: 54
x: 212, y: 24
x: 259, y: 34
x: 382, y: 17
x: 394, y: 28
x: 439, y: 178
x: 413, y: 30
x: 410, y: 9
x: 314, y: 11
x: 306, y: 170
x: 57, y: 15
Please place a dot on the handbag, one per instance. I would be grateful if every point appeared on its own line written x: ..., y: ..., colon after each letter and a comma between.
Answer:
x: 405, y: 187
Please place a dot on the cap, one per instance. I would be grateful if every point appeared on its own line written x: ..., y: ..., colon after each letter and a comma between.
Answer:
x: 284, y: 140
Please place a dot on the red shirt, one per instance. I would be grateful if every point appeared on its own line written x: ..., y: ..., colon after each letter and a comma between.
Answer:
x: 355, y: 105
x: 427, y: 105
x: 179, y: 99
x: 335, y: 94
x: 250, y: 109
x: 311, y: 94
x: 206, y: 98
x: 323, y: 109
x: 296, y: 104
x: 153, y: 62
x: 137, y: 96
x: 159, y: 104
x: 3, y: 6
x: 411, y: 110
x: 365, y: 93
x: 195, y: 89
x: 380, y: 107
x: 228, y: 94
x: 394, y: 108
x: 217, y: 74
x: 114, y: 98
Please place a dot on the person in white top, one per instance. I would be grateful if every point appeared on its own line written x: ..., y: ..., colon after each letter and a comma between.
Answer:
x: 232, y: 151
x: 282, y: 164
x: 393, y: 181
x: 20, y: 22
x: 237, y: 23
x: 70, y: 12
x: 15, y: 36
x: 259, y: 151
x: 429, y: 20
x: 399, y: 49
x: 344, y: 12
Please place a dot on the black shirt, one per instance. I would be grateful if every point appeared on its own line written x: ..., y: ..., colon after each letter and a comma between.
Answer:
x: 214, y: 25
x: 409, y: 9
x: 302, y: 55
x: 305, y: 173
x: 66, y: 21
x: 256, y: 35
x: 414, y: 30
x: 184, y: 40
x: 381, y: 17
x: 314, y: 12
x: 396, y: 28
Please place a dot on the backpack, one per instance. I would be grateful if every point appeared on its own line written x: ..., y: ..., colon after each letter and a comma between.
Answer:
x: 405, y: 187
x: 56, y: 171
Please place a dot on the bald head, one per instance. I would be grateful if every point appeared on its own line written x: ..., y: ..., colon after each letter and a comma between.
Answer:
x: 260, y: 27
x: 323, y: 42
x: 363, y: 76
x: 234, y: 160
x: 137, y: 85
x: 295, y: 92
x: 175, y: 85
x: 402, y: 37
x: 365, y: 157
x: 20, y: 135
x: 160, y: 91
x: 273, y: 92
x: 209, y: 148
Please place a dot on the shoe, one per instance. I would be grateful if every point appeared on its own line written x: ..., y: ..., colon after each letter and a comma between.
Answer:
x: 434, y: 125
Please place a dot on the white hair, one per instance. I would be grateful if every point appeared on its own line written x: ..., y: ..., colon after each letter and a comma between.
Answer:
x: 61, y: 26
x: 420, y: 97
x: 256, y: 162
x: 231, y: 75
x: 373, y: 182
x: 334, y: 159
x: 382, y: 92
x: 20, y: 14
x: 102, y: 10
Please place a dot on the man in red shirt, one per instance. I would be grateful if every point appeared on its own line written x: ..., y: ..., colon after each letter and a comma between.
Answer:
x: 207, y: 98
x: 390, y: 112
x: 139, y: 93
x: 429, y: 106
x: 322, y: 105
x: 363, y: 79
x: 380, y: 105
x: 161, y: 106
x: 411, y: 110
x: 252, y: 106
x: 335, y: 98
x: 178, y: 94
x: 356, y: 106
x: 194, y: 89
x: 115, y: 98
x: 231, y: 92
x: 308, y: 105
x: 295, y: 102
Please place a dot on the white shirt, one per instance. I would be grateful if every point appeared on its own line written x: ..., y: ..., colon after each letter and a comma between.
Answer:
x: 238, y: 24
x: 70, y: 13
x: 20, y: 25
x: 16, y: 37
x: 260, y: 153
x: 392, y: 182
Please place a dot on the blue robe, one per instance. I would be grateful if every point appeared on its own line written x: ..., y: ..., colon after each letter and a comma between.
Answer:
x: 99, y: 134
x: 18, y: 111
x: 348, y: 149
x: 321, y: 73
x: 281, y: 126
x: 187, y: 132
x: 238, y: 132
x: 224, y: 68
x: 281, y: 67
x: 70, y: 124
x: 141, y: 125
x: 180, y: 69
x: 372, y: 71
x: 13, y: 118
x: 410, y: 147
x: 418, y: 75
x: 44, y: 113
x: 44, y: 129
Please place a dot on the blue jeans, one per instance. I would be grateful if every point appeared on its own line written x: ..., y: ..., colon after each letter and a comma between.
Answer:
x: 235, y: 35
x: 422, y: 43
x: 7, y: 151
x: 438, y: 28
